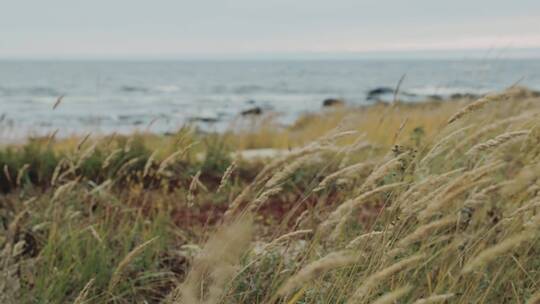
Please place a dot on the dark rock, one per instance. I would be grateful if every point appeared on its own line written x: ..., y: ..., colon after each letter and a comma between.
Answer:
x: 133, y: 89
x: 332, y: 102
x: 205, y: 119
x: 463, y: 96
x: 436, y: 97
x: 372, y: 94
x: 252, y: 112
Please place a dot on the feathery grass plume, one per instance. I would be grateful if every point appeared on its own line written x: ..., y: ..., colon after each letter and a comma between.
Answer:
x: 395, y: 99
x: 358, y: 201
x: 480, y: 198
x: 58, y: 101
x: 489, y: 128
x: 534, y: 299
x: 101, y: 187
x: 532, y: 142
x: 490, y: 254
x: 289, y: 235
x: 532, y: 204
x: 117, y: 274
x: 83, y: 295
x: 476, y: 105
x: 347, y: 171
x: 344, y: 209
x: 95, y: 234
x: 107, y: 162
x: 393, y: 296
x: 83, y: 140
x: 263, y: 197
x: 128, y: 144
x: 226, y: 176
x: 335, y: 135
x: 300, y: 220
x: 422, y: 231
x: 287, y: 171
x: 215, y: 265
x: 13, y: 227
x: 359, y: 240
x: 340, y: 226
x: 264, y: 174
x: 7, y: 174
x: 265, y: 248
x: 171, y: 158
x: 300, y: 157
x: 354, y: 149
x: 459, y: 186
x: 237, y: 202
x: 533, y: 222
x: 124, y: 169
x: 399, y: 130
x: 497, y: 141
x: 525, y: 177
x: 317, y: 268
x: 149, y: 163
x: 382, y: 171
x: 445, y: 198
x: 21, y: 173
x: 438, y: 147
x: 424, y: 191
x: 60, y: 191
x: 533, y: 189
x: 192, y: 188
x: 297, y: 296
x: 51, y: 137
x: 359, y: 145
x: 151, y: 123
x: 10, y: 280
x: 71, y: 169
x: 374, y: 280
x: 435, y: 299
x: 86, y: 154
x: 286, y: 159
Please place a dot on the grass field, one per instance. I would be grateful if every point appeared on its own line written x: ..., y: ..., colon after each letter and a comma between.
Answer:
x: 436, y: 202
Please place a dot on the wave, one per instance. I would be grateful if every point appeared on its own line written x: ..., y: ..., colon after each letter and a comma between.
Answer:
x: 30, y: 91
x: 447, y: 91
x: 133, y: 89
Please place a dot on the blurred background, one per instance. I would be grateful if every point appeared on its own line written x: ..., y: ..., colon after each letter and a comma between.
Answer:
x: 124, y: 66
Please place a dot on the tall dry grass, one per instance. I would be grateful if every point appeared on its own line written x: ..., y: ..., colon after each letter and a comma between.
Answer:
x: 428, y: 203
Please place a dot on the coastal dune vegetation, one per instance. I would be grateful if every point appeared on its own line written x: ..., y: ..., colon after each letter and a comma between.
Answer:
x: 434, y: 202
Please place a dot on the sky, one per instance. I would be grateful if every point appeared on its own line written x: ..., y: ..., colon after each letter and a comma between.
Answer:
x: 251, y: 28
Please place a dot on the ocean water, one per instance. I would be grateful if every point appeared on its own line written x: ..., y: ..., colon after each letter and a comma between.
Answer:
x: 108, y: 96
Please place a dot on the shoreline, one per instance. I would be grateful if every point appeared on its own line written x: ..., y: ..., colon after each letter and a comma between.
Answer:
x: 249, y: 118
x: 266, y: 138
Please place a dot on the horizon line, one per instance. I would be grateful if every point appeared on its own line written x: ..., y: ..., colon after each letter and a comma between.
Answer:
x: 463, y: 54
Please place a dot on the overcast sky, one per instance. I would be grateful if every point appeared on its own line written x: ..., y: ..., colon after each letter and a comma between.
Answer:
x: 179, y: 28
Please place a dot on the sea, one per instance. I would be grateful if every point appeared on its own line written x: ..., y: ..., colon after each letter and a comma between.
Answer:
x: 102, y: 97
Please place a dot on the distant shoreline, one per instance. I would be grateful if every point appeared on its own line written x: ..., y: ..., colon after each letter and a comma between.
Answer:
x: 127, y: 97
x: 256, y: 123
x: 515, y: 53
